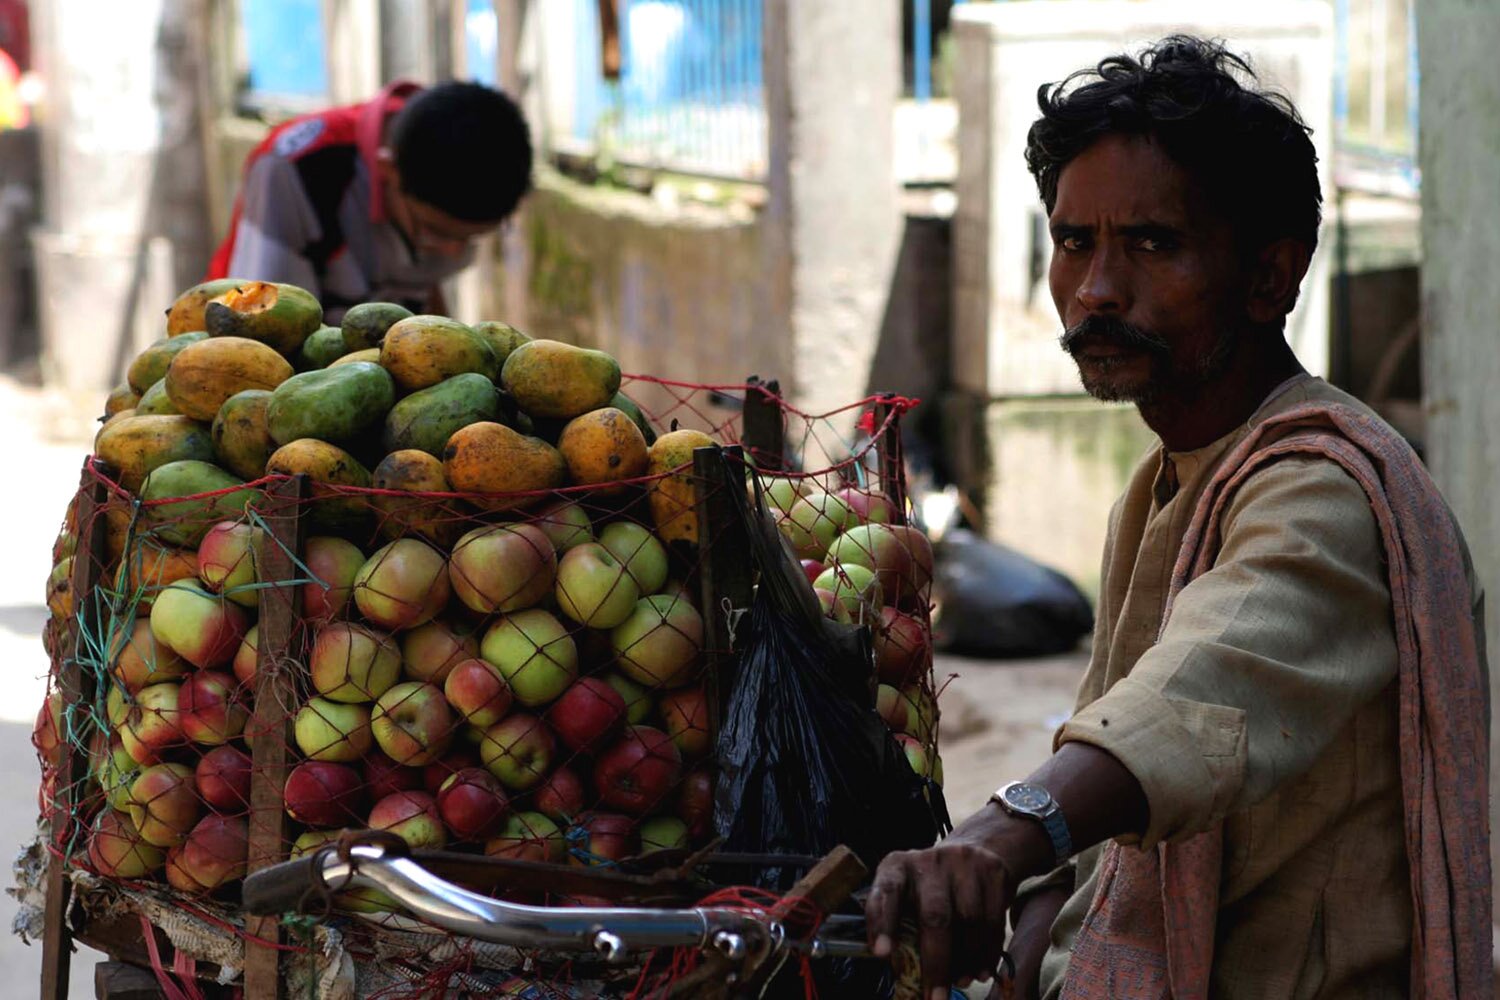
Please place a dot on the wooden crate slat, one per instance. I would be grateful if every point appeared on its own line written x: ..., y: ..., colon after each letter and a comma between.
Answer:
x: 77, y: 687
x: 275, y: 696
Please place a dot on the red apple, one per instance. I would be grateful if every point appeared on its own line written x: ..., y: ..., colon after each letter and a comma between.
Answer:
x: 528, y: 836
x: 177, y: 876
x: 402, y: 585
x: 46, y: 734
x: 412, y: 816
x: 611, y: 837
x: 478, y: 693
x: 639, y: 770
x: 431, y: 651
x: 449, y: 764
x: 472, y: 803
x: 319, y: 793
x: 333, y: 563
x: 867, y: 507
x: 412, y: 722
x: 684, y: 714
x: 903, y: 646
x: 226, y: 562
x: 209, y: 708
x: 561, y: 795
x: 916, y: 588
x: 202, y: 628
x: 503, y: 567
x: 831, y: 605
x: 564, y: 523
x: 695, y: 801
x: 216, y: 851
x: 117, y: 850
x: 223, y: 779
x: 142, y: 660
x: 384, y: 776
x: 151, y: 725
x: 812, y: 568
x: 164, y: 804
x: 587, y: 714
x: 518, y: 750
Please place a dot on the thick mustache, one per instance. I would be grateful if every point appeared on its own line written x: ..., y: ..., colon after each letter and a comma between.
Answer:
x: 1113, y: 330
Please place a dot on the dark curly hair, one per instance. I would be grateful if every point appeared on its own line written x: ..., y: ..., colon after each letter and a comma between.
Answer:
x: 1248, y: 148
x: 464, y: 149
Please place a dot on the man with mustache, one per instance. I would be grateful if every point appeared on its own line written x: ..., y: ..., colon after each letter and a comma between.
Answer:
x: 1275, y: 781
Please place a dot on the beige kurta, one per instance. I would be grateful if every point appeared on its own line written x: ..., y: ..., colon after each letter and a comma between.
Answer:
x: 1268, y: 703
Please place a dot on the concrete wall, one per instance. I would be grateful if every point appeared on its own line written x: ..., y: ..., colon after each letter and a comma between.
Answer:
x: 1460, y: 296
x: 676, y: 292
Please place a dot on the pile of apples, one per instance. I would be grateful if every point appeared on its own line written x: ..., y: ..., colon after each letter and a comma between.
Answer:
x: 532, y: 692
x: 869, y: 571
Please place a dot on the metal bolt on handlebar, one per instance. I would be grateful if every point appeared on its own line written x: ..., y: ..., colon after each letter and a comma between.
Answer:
x: 732, y: 946
x: 610, y: 946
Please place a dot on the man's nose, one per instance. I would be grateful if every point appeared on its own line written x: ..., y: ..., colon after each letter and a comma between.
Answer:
x: 1105, y: 286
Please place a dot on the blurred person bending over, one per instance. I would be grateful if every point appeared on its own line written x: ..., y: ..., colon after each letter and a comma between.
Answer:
x: 1275, y: 783
x: 379, y: 201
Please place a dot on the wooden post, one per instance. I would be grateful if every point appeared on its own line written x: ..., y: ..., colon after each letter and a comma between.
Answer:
x: 763, y: 425
x: 77, y: 688
x: 723, y: 567
x: 275, y: 697
x: 891, y: 458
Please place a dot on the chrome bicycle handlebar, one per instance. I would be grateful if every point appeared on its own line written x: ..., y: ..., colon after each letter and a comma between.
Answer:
x: 613, y: 932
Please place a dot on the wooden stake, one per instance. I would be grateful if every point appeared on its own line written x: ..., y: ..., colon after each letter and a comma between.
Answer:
x: 77, y: 688
x: 275, y: 698
x: 892, y: 460
x: 763, y: 426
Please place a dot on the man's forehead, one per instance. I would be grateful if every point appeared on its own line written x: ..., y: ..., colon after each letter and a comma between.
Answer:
x: 1125, y: 179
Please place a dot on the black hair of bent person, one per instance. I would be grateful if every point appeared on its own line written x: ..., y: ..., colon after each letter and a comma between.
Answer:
x: 464, y: 149
x: 1248, y: 148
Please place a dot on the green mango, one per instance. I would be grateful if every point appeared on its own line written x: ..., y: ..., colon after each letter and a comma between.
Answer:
x: 321, y: 349
x: 426, y: 419
x: 502, y: 338
x: 155, y: 402
x: 626, y: 405
x: 185, y: 522
x: 365, y: 324
x: 331, y: 404
x: 242, y: 442
x: 150, y: 366
x: 279, y: 316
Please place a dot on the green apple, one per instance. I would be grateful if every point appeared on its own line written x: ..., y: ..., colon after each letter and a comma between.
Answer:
x: 565, y: 523
x: 594, y: 588
x: 813, y: 523
x: 528, y: 836
x: 534, y: 653
x: 332, y: 731
x: 353, y: 664
x: 413, y: 723
x: 658, y: 645
x: 855, y: 587
x: 663, y: 833
x: 642, y: 553
x: 638, y: 701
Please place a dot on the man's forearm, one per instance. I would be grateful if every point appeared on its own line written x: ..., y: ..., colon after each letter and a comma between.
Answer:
x: 1098, y: 797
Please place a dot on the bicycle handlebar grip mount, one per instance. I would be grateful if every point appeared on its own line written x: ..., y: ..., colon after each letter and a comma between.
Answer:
x: 282, y: 887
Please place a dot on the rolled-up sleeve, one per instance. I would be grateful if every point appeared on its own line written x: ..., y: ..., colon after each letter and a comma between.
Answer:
x: 1265, y: 659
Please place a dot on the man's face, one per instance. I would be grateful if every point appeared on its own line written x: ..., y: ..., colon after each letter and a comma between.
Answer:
x: 1144, y: 275
x: 431, y: 231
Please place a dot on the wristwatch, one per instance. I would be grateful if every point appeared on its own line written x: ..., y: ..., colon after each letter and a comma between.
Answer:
x: 1025, y: 798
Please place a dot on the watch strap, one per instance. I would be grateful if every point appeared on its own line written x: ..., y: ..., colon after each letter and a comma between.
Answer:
x: 1057, y: 828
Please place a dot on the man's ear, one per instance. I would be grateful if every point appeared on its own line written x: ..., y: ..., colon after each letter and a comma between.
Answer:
x: 1275, y: 280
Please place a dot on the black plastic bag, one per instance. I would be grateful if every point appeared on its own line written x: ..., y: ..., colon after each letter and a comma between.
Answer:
x: 995, y: 602
x: 805, y: 763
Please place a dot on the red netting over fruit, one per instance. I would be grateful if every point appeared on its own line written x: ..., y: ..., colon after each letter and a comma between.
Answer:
x: 361, y: 638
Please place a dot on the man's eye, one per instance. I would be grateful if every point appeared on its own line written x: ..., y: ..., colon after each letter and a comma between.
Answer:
x: 1071, y: 243
x: 1152, y: 244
